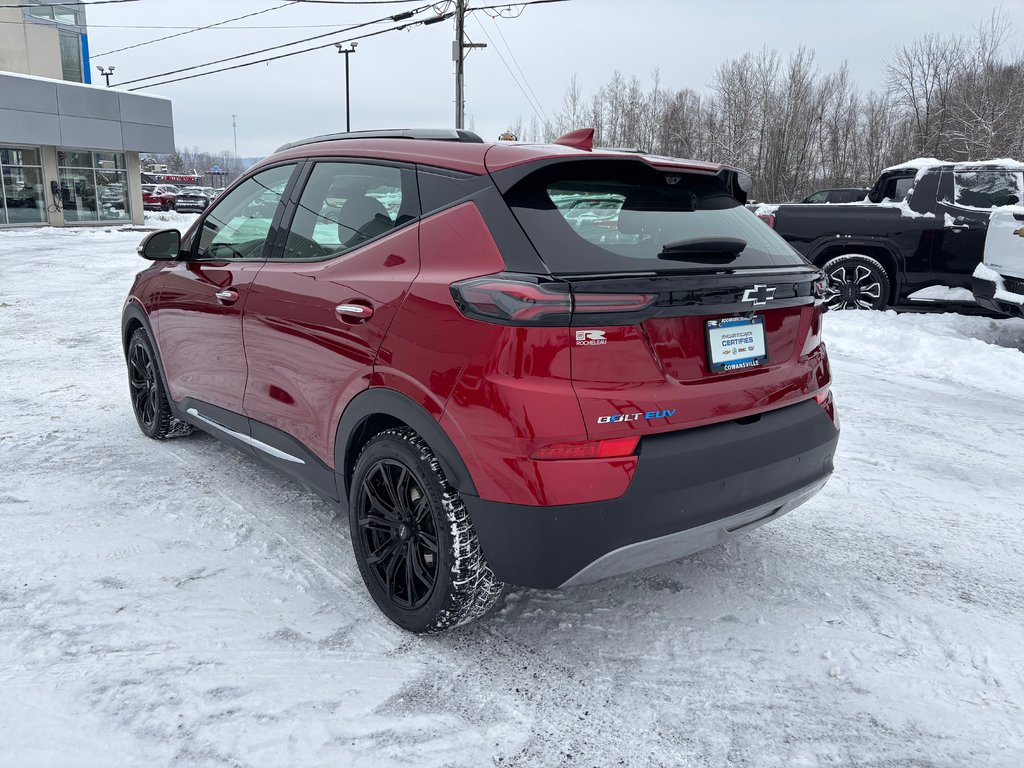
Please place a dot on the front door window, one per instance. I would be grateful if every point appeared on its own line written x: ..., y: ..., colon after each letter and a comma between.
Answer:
x: 238, y: 225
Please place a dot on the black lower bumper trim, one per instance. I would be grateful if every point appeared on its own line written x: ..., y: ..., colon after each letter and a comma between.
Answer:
x: 732, y: 474
x: 985, y: 294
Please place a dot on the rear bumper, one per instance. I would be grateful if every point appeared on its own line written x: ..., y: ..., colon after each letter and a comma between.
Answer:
x: 692, y: 489
x: 992, y: 296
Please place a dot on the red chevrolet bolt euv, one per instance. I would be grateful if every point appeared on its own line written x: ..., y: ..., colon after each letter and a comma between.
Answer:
x: 535, y: 365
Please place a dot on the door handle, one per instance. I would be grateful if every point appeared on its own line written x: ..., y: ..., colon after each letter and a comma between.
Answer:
x: 354, y: 313
x: 227, y: 296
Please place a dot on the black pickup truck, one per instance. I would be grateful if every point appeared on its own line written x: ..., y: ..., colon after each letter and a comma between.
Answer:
x: 915, y: 243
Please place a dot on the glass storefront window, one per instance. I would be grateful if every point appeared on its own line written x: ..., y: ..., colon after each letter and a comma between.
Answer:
x: 93, y: 185
x: 78, y: 195
x: 21, y: 187
x: 74, y: 159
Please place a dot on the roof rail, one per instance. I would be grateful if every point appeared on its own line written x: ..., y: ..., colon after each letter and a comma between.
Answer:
x: 431, y: 134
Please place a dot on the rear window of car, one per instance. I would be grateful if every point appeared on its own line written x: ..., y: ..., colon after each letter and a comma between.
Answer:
x: 591, y: 216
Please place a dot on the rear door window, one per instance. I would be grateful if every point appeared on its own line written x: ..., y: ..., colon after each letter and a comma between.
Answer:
x: 987, y: 189
x: 592, y: 216
x: 346, y: 204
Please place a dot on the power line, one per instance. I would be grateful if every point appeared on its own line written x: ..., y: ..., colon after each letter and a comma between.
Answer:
x: 510, y: 6
x: 240, y: 27
x: 515, y: 79
x: 56, y: 5
x: 295, y: 53
x: 516, y: 62
x: 194, y: 29
x: 266, y: 50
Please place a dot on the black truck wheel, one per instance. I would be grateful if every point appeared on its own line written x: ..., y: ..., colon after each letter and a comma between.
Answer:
x: 856, y: 281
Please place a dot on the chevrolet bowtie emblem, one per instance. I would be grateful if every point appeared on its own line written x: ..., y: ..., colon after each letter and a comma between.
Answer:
x: 759, y: 294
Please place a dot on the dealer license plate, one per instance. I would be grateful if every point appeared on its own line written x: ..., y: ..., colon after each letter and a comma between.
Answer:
x: 735, y: 343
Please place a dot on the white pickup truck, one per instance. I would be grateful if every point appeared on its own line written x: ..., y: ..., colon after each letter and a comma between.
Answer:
x: 998, y: 282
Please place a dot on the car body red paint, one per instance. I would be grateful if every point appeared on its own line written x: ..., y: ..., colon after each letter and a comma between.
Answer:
x: 263, y: 339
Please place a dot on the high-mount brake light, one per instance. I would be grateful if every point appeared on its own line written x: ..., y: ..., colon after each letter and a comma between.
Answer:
x: 619, y: 447
x: 508, y: 300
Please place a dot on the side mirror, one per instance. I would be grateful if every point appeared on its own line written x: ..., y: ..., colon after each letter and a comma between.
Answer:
x: 164, y: 245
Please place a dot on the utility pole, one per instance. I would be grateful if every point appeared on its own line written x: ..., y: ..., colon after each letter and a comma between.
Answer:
x: 347, y: 48
x: 459, y: 57
x: 106, y: 73
x: 234, y: 129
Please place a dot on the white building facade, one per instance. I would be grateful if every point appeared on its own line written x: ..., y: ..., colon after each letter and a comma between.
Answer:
x: 69, y: 150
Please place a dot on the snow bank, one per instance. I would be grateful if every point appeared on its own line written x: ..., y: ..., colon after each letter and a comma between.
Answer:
x: 942, y: 293
x: 977, y: 352
x: 170, y: 219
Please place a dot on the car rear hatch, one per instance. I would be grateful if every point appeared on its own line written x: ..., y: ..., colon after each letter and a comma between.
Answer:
x: 686, y: 309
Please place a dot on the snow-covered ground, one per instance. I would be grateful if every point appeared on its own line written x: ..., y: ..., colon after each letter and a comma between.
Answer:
x: 178, y: 604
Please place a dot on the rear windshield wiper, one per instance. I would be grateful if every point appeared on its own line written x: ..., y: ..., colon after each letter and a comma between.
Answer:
x: 717, y: 248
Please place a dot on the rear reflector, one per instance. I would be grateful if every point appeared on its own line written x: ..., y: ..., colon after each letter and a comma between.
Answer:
x: 599, y: 449
x: 824, y: 399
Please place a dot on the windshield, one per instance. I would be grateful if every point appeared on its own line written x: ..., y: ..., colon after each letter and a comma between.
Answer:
x: 611, y: 215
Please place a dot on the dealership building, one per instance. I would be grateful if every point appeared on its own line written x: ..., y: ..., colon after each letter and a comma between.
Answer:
x: 69, y: 150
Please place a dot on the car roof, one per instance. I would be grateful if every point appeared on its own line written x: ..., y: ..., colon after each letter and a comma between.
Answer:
x: 476, y: 157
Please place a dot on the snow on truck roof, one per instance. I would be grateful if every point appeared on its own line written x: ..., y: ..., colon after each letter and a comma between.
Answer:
x: 923, y: 163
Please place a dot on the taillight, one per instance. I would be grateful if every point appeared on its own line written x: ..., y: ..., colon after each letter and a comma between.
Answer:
x: 819, y: 289
x: 599, y: 449
x: 767, y: 218
x: 512, y: 301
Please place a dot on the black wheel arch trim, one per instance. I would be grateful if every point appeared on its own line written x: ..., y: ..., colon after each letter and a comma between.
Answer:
x: 390, y: 402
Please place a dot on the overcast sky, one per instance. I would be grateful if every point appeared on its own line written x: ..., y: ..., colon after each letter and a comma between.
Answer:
x: 405, y: 79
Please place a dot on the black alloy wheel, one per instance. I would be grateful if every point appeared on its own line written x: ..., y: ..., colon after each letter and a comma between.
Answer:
x: 413, y: 539
x: 142, y: 385
x: 856, y: 282
x: 146, y: 388
x: 398, y: 534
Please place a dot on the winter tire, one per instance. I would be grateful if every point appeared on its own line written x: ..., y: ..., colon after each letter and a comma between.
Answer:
x: 149, y: 400
x: 168, y: 206
x: 415, y: 544
x: 856, y: 281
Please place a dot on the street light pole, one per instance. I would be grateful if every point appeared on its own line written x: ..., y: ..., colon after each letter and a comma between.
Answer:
x: 347, y: 48
x: 234, y: 129
x: 106, y: 73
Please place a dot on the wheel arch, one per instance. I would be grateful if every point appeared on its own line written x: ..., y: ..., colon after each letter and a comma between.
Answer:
x: 376, y: 409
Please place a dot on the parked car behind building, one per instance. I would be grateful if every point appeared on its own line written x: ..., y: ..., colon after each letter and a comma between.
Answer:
x: 194, y: 199
x: 837, y: 195
x: 159, y: 197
